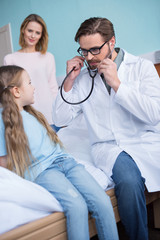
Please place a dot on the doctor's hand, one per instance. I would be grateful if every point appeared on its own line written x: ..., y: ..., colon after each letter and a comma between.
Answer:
x: 109, y: 70
x: 77, y: 64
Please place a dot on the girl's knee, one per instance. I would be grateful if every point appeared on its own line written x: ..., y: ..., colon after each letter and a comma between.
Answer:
x: 103, y: 199
x: 102, y: 203
x: 78, y: 206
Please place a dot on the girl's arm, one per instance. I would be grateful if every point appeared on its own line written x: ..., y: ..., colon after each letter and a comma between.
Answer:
x: 3, y: 161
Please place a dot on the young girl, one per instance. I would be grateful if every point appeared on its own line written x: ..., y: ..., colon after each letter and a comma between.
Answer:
x: 39, y: 63
x: 29, y: 147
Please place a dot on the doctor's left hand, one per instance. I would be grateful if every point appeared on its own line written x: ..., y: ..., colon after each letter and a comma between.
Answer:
x: 109, y: 70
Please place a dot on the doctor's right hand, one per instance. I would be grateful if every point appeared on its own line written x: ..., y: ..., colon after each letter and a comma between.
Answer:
x: 77, y: 64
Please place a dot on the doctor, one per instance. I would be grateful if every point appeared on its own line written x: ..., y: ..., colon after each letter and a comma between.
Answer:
x: 123, y: 118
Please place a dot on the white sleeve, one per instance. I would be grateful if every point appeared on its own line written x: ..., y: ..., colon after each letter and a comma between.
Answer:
x: 142, y: 98
x: 64, y: 113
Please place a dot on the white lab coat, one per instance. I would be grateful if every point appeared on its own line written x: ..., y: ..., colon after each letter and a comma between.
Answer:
x: 128, y: 120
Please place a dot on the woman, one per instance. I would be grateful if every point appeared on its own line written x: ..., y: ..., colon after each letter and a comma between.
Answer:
x: 39, y: 63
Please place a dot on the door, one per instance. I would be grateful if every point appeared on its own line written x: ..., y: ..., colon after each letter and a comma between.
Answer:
x: 5, y: 42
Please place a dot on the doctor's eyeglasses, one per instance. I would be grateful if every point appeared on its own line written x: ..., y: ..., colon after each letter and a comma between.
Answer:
x: 94, y: 51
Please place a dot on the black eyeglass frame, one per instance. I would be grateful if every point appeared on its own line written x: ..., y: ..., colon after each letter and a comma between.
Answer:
x: 90, y: 50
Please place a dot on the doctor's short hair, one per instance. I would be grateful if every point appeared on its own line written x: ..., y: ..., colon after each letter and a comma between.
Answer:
x: 96, y: 25
x: 42, y: 44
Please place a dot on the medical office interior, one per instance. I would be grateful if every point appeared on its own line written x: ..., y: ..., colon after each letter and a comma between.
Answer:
x: 136, y: 23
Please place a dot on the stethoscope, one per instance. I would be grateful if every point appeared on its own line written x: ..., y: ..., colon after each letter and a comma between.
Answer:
x: 92, y: 74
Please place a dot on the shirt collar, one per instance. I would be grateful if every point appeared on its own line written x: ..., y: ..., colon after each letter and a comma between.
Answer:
x: 120, y: 56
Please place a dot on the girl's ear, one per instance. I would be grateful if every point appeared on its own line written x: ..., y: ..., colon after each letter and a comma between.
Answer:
x: 15, y: 91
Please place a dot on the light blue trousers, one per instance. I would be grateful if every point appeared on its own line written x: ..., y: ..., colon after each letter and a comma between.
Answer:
x: 78, y: 193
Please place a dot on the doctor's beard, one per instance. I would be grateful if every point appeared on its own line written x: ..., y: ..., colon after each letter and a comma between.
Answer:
x: 93, y: 64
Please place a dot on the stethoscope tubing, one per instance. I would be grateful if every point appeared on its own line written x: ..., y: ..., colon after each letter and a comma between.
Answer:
x: 92, y: 86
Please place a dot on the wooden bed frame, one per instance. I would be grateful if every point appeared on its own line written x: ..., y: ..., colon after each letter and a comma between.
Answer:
x: 53, y: 227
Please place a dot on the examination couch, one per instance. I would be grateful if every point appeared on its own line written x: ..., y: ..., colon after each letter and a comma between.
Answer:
x: 53, y: 227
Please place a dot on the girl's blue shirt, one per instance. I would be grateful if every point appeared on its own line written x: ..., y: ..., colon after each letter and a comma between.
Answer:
x: 44, y: 151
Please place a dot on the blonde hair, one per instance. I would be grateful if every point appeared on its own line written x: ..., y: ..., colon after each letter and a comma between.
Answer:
x: 42, y: 44
x: 18, y: 152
